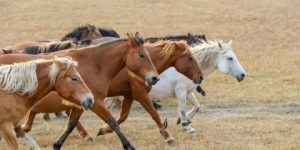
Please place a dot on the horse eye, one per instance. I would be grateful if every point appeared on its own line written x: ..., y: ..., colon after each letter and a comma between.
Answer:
x: 229, y: 58
x: 74, y: 79
x: 190, y: 58
x: 141, y: 55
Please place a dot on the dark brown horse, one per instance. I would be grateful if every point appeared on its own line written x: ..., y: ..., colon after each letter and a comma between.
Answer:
x: 98, y: 66
x: 189, y: 38
x: 164, y: 55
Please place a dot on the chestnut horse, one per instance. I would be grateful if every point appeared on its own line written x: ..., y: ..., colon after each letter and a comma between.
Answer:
x: 164, y: 55
x: 99, y: 64
x: 80, y: 33
x: 24, y: 84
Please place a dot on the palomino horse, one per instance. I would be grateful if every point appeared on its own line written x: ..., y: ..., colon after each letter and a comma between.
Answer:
x: 80, y: 33
x: 24, y: 84
x: 99, y: 64
x: 164, y: 54
x: 209, y: 56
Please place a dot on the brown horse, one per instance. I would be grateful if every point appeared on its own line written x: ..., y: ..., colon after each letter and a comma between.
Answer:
x: 98, y: 66
x: 80, y: 33
x: 24, y: 84
x: 164, y: 55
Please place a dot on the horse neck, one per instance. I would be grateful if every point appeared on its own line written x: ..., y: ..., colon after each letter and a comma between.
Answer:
x: 44, y: 86
x: 110, y: 58
x: 160, y: 64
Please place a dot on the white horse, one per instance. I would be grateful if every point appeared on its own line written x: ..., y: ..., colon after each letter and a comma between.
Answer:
x: 210, y: 56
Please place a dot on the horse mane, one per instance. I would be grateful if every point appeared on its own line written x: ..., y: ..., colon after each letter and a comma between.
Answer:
x: 76, y: 33
x: 169, y: 47
x: 21, y: 78
x: 207, y: 51
x: 108, y: 32
x: 49, y: 47
x: 191, y: 39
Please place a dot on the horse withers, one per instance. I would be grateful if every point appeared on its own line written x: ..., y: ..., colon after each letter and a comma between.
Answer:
x: 24, y: 84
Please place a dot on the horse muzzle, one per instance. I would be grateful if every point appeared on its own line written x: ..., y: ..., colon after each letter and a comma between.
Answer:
x: 240, y: 77
x: 198, y: 80
x: 87, y: 103
x: 152, y: 80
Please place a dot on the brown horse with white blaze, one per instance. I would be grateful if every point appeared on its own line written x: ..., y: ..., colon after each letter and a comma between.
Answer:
x: 164, y: 54
x: 98, y: 65
x: 24, y: 84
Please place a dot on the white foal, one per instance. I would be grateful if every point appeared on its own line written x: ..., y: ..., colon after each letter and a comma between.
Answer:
x: 210, y: 56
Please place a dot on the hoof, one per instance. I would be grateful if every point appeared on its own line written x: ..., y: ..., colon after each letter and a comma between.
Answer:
x: 189, y: 130
x: 89, y: 139
x: 56, y: 146
x: 46, y: 117
x: 171, y: 141
x: 129, y: 147
x: 101, y: 132
x: 178, y: 121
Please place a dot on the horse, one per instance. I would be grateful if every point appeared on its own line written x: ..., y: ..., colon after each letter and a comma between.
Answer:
x: 99, y: 64
x: 24, y: 84
x: 210, y: 56
x: 164, y: 54
x: 80, y: 33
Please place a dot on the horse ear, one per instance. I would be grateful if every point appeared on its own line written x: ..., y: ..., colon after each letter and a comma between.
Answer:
x: 5, y: 51
x: 230, y: 42
x: 90, y: 27
x: 60, y: 64
x: 219, y: 44
x: 131, y: 40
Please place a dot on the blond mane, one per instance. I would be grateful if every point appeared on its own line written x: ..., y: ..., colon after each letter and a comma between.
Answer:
x: 169, y: 47
x: 21, y: 78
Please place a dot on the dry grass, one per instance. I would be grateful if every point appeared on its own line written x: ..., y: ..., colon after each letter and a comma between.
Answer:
x: 266, y: 40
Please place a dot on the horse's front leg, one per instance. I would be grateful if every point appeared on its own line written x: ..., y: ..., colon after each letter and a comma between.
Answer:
x: 181, y: 95
x: 29, y: 118
x: 126, y: 106
x: 100, y: 109
x: 72, y: 122
x: 146, y: 102
x: 85, y: 136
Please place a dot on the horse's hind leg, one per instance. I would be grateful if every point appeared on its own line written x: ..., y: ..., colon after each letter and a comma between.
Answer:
x: 196, y: 105
x: 125, y: 108
x: 81, y: 130
x: 73, y: 119
x: 8, y: 133
x: 181, y: 96
x: 26, y: 126
x: 27, y: 139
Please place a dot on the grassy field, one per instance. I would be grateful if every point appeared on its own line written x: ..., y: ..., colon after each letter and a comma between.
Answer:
x: 262, y: 112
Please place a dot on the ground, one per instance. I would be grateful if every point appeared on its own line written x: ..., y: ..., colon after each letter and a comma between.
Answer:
x: 262, y: 112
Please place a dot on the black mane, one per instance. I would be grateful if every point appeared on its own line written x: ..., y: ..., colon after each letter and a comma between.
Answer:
x: 189, y: 38
x: 75, y: 34
x: 108, y: 32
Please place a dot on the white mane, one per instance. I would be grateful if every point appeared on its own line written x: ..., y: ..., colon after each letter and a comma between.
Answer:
x: 206, y: 53
x: 21, y: 78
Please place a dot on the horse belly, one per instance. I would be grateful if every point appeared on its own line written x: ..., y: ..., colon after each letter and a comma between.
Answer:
x: 50, y: 104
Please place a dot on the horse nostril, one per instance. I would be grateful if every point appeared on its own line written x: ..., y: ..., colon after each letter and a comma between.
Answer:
x: 155, y: 79
x: 243, y: 75
x: 201, y: 78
